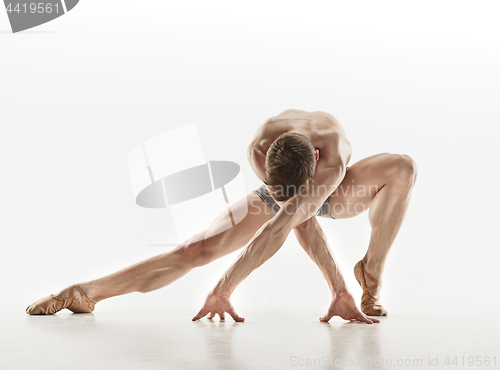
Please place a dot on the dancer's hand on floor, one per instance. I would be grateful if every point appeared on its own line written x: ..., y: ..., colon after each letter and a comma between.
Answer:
x: 343, y: 305
x: 217, y: 304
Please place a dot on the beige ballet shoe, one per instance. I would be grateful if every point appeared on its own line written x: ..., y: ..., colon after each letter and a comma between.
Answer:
x: 52, y: 304
x: 369, y: 306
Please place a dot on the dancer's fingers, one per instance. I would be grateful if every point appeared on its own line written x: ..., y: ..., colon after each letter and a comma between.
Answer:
x: 234, y: 315
x: 327, y: 317
x: 363, y: 318
x: 203, y: 312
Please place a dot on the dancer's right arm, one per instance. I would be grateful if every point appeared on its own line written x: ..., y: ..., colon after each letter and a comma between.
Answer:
x: 264, y: 244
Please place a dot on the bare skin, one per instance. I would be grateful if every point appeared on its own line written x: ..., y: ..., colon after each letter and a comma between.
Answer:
x: 389, y: 201
x: 160, y: 271
x: 381, y: 183
x: 393, y: 175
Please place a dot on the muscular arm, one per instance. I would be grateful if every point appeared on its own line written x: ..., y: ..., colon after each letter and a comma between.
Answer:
x: 265, y: 243
x: 269, y: 239
x: 313, y: 240
x: 311, y: 237
x: 330, y: 171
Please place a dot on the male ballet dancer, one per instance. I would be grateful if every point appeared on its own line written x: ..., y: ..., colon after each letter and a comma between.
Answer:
x: 302, y: 159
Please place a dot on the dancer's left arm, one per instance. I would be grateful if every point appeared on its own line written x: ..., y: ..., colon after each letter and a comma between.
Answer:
x: 313, y: 240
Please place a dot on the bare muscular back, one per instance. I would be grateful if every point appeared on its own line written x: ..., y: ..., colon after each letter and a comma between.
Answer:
x: 323, y: 129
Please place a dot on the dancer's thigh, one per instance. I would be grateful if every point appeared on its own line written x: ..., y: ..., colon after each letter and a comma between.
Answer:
x: 219, y: 240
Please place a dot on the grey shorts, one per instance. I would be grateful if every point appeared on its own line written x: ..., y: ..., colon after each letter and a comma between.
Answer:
x: 323, y: 211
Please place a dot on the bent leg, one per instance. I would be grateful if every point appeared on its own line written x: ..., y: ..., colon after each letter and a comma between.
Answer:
x: 382, y: 183
x: 207, y: 246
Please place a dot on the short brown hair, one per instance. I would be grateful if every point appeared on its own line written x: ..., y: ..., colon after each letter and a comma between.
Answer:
x: 290, y: 162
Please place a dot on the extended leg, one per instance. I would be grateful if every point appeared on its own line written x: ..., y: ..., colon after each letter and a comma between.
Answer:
x: 382, y: 183
x: 161, y: 270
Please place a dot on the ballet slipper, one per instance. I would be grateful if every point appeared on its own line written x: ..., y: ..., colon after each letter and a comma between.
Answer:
x: 52, y: 304
x: 369, y: 305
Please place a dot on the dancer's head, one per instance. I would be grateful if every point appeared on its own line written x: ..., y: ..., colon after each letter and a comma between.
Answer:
x: 290, y: 163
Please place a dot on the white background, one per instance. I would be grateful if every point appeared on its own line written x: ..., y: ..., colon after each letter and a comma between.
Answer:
x: 79, y: 93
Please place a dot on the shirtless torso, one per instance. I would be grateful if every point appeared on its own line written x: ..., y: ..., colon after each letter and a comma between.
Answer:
x: 323, y: 130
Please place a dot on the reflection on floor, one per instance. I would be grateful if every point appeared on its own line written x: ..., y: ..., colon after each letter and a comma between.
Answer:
x: 269, y: 339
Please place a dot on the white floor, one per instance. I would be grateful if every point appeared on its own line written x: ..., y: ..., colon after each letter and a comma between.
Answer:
x: 269, y: 339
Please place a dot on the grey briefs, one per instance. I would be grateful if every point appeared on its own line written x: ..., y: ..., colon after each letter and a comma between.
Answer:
x: 323, y: 211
